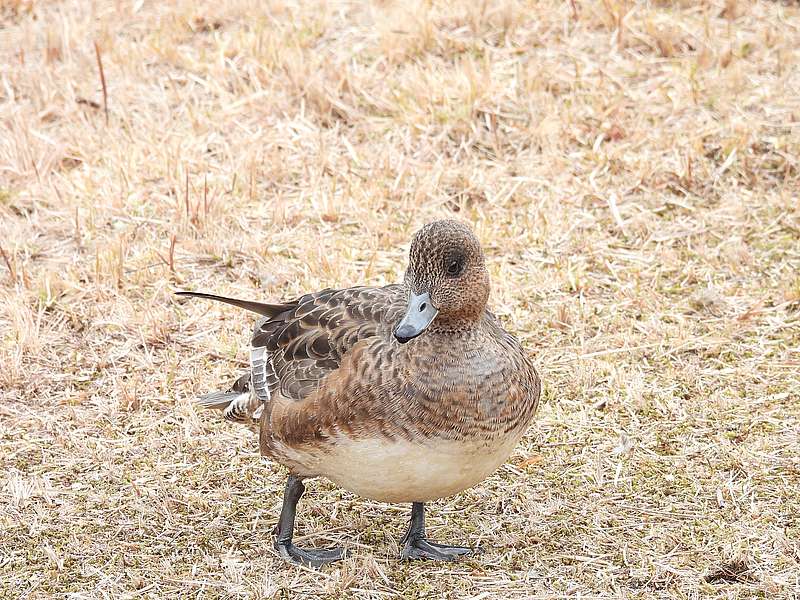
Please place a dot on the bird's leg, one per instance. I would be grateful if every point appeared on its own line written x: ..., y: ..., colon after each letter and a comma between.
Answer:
x: 416, y: 545
x: 285, y: 530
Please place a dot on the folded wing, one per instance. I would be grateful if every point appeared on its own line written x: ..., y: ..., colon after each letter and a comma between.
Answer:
x: 298, y: 343
x: 306, y: 343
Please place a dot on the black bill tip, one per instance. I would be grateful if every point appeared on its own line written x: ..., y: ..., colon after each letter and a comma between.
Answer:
x: 405, y: 333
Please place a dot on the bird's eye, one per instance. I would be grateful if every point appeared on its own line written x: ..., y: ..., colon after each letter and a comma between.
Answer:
x: 454, y: 267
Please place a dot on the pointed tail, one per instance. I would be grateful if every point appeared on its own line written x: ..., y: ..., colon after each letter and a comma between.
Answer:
x: 261, y: 308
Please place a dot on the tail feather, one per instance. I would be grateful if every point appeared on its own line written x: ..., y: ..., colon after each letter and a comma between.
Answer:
x: 261, y: 308
x: 217, y: 400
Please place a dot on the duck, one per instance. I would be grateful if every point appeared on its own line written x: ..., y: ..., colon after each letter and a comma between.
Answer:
x: 405, y: 393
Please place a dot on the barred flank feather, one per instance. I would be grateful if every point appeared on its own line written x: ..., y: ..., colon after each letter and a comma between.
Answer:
x: 237, y: 404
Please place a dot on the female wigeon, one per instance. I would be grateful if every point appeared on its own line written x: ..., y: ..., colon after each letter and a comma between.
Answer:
x: 402, y: 393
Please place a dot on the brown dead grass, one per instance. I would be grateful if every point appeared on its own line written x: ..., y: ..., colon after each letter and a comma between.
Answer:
x: 632, y: 169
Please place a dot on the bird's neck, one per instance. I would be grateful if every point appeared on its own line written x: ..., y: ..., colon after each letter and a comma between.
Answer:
x: 454, y: 324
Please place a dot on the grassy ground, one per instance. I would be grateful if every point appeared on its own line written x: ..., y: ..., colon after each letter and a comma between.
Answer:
x: 633, y: 170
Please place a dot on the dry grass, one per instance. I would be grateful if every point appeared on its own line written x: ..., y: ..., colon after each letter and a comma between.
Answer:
x: 633, y: 170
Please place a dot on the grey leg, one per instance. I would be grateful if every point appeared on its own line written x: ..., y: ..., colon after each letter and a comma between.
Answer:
x: 416, y: 545
x: 285, y: 530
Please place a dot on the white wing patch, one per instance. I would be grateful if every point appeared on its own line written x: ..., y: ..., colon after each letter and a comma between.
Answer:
x: 260, y: 371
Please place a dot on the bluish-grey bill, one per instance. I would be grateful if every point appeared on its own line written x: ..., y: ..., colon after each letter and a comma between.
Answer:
x: 420, y: 313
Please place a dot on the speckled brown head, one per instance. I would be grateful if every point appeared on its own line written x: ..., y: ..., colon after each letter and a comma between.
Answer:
x: 447, y: 280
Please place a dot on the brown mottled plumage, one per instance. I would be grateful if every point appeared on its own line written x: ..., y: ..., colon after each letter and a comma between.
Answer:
x: 336, y: 394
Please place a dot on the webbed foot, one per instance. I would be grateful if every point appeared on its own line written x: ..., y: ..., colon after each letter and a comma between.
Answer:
x: 421, y: 548
x: 309, y: 557
x: 417, y: 546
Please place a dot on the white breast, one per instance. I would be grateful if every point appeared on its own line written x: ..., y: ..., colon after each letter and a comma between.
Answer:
x: 406, y: 471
